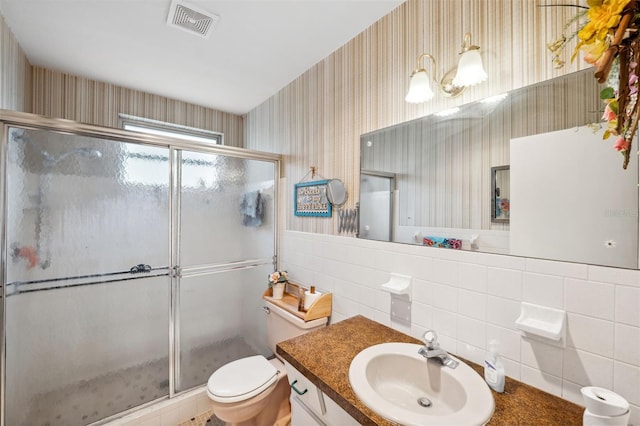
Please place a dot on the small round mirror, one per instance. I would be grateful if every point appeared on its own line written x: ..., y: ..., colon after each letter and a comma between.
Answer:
x: 336, y: 192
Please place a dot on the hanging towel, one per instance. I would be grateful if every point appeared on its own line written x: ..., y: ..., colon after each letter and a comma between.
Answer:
x: 252, y: 209
x: 452, y: 243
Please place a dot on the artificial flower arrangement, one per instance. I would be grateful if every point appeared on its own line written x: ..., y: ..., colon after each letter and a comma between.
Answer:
x: 278, y: 277
x: 608, y: 36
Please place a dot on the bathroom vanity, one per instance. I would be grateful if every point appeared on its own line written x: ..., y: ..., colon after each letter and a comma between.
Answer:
x: 318, y: 366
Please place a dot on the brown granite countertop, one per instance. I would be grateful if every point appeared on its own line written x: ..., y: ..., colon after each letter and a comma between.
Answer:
x: 324, y: 356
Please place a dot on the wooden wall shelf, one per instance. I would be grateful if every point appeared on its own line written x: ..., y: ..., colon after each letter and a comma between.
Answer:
x: 291, y: 303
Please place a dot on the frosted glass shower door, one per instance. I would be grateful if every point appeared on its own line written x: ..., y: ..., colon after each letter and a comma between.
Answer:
x: 87, y: 277
x: 225, y: 251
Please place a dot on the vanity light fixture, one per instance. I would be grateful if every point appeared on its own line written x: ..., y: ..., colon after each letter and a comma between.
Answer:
x: 468, y: 72
x: 470, y: 69
x: 420, y: 82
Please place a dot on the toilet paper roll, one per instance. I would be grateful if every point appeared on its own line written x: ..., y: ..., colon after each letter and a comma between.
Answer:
x: 309, y: 298
x: 590, y: 419
x: 603, y: 402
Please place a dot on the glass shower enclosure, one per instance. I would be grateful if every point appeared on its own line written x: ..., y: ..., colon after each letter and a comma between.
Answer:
x: 132, y: 266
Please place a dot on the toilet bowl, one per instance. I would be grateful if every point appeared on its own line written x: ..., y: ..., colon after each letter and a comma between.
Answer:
x: 249, y: 391
x: 253, y: 390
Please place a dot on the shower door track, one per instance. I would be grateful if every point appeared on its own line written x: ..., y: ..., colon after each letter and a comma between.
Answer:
x: 175, y: 146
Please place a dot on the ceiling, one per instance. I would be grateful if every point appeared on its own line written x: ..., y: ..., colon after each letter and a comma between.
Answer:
x: 256, y: 48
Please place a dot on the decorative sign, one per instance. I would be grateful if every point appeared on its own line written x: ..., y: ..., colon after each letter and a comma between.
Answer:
x: 310, y: 199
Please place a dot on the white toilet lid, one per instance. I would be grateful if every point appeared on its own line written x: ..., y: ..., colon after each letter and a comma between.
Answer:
x: 241, y: 379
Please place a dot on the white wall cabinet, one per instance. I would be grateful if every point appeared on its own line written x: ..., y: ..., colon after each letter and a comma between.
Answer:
x: 310, y: 406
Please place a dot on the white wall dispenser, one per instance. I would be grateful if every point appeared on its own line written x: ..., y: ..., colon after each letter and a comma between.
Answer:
x: 400, y: 288
x: 604, y: 407
x: 542, y: 322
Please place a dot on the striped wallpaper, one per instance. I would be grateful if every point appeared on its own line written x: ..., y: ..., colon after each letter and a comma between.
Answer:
x: 56, y: 94
x: 15, y: 72
x: 318, y: 118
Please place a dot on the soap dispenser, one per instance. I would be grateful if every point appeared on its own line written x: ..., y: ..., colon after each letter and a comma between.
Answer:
x: 493, y: 368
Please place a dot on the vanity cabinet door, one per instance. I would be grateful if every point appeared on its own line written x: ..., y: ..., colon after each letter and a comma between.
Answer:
x: 336, y: 416
x: 304, y: 390
x: 301, y: 415
x: 313, y: 407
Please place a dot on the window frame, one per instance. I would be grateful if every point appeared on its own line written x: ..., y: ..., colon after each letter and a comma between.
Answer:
x: 179, y: 131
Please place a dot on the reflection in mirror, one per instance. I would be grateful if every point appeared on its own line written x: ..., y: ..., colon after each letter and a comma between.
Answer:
x: 376, y: 205
x: 500, y: 190
x: 442, y: 185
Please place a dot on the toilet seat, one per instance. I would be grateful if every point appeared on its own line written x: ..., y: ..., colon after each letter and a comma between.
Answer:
x: 241, y: 379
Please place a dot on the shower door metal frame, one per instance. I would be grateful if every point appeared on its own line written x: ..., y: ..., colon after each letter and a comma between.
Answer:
x: 37, y: 122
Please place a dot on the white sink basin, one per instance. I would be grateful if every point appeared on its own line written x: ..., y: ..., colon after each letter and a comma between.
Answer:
x: 394, y: 381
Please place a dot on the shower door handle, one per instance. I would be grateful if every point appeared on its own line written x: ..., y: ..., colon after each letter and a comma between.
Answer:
x: 140, y: 268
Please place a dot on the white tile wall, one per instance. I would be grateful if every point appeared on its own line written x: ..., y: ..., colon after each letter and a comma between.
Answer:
x: 627, y: 344
x: 508, y: 339
x: 627, y: 300
x: 472, y: 304
x: 505, y: 283
x: 472, y: 277
x: 542, y: 357
x: 472, y: 331
x: 502, y: 312
x: 473, y: 298
x: 590, y: 334
x: 599, y: 304
x: 586, y: 369
x: 545, y: 290
x: 626, y: 381
x: 541, y: 380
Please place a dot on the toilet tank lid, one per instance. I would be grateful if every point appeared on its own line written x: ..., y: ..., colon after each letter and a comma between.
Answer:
x: 242, y: 379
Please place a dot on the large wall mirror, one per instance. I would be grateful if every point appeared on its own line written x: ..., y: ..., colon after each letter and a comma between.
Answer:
x: 432, y: 181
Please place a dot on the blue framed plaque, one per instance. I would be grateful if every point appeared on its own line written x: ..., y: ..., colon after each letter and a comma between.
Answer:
x: 310, y: 199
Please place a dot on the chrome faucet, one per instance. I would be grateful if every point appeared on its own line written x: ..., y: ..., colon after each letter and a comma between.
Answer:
x: 431, y: 349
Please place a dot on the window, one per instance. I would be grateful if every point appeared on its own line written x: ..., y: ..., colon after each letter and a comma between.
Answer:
x: 140, y: 163
x: 154, y: 127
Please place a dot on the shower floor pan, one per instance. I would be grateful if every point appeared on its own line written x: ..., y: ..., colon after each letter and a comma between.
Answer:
x: 91, y: 400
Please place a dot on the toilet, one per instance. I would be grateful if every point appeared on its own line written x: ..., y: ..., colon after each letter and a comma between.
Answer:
x: 255, y: 390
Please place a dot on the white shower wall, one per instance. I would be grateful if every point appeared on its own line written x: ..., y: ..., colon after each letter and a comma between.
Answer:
x: 471, y: 298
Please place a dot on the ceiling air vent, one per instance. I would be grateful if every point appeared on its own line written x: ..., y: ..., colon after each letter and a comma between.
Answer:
x: 191, y: 19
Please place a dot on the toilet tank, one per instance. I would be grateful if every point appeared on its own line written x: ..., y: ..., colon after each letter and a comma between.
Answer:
x: 282, y: 325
